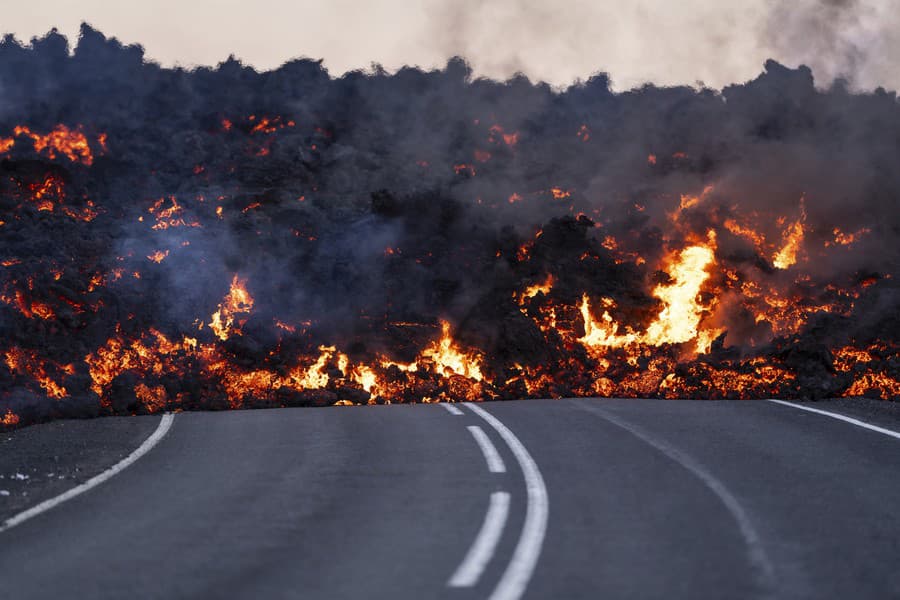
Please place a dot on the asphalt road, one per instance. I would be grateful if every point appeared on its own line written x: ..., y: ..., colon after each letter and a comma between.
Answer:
x: 545, y: 499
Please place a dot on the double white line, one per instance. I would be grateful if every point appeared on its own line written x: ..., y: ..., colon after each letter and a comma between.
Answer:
x: 528, y: 549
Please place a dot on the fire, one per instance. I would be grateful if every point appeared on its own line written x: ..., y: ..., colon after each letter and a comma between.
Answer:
x: 450, y: 359
x: 158, y: 256
x: 746, y: 232
x: 793, y: 242
x: 238, y: 301
x: 533, y: 290
x: 604, y: 333
x: 314, y: 376
x: 681, y: 313
x: 678, y: 320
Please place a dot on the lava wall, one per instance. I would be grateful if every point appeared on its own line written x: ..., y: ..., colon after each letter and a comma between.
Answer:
x: 225, y: 238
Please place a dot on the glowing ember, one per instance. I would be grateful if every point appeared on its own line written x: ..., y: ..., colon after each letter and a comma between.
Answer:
x: 72, y: 144
x: 10, y: 419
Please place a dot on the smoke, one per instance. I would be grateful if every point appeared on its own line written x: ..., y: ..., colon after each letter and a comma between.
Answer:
x: 854, y: 40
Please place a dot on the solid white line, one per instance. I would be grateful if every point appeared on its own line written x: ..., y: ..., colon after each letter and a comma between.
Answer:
x: 755, y: 551
x: 164, y: 424
x: 841, y: 417
x: 518, y: 573
x: 451, y: 409
x: 491, y: 456
x: 485, y: 544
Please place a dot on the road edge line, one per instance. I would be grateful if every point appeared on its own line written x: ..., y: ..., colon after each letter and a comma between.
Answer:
x: 521, y: 566
x: 162, y: 429
x: 757, y: 555
x: 840, y: 417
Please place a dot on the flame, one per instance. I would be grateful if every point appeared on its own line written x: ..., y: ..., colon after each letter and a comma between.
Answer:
x: 450, y: 359
x: 747, y: 233
x: 681, y: 313
x: 793, y: 242
x: 238, y: 301
x: 532, y: 290
x: 603, y: 333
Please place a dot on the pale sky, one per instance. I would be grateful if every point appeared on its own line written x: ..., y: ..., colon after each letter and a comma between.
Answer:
x: 666, y: 42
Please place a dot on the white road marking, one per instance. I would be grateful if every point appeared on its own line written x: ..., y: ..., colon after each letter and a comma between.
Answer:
x: 755, y: 551
x: 451, y: 409
x: 841, y: 417
x: 164, y: 424
x: 494, y: 462
x: 485, y: 543
x: 525, y: 556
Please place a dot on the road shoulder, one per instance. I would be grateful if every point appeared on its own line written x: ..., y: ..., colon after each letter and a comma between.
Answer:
x: 42, y: 461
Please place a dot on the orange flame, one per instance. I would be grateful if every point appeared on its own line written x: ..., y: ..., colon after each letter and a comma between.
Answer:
x: 238, y: 301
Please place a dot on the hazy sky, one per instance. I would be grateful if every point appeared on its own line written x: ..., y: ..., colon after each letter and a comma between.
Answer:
x: 664, y: 41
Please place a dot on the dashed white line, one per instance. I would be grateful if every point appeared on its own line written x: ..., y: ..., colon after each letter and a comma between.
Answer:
x: 485, y: 543
x: 491, y: 456
x: 451, y: 409
x: 164, y: 424
x: 528, y: 549
x: 841, y: 417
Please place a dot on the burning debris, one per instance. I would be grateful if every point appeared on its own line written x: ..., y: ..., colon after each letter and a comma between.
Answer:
x: 175, y: 239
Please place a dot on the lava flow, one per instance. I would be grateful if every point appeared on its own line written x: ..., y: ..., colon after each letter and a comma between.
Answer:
x: 224, y: 239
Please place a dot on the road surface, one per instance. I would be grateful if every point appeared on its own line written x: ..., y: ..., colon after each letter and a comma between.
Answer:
x: 536, y: 499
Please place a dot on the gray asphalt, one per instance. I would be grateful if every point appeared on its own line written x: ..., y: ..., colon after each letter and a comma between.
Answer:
x: 647, y: 499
